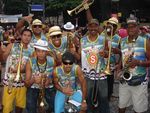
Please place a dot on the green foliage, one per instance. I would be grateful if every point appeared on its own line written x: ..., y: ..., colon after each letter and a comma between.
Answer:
x: 15, y: 7
x: 62, y: 5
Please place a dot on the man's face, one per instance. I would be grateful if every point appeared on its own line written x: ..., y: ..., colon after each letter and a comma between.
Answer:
x: 41, y: 54
x: 67, y: 66
x: 37, y: 29
x: 26, y: 37
x: 132, y: 29
x: 56, y: 40
x: 93, y: 29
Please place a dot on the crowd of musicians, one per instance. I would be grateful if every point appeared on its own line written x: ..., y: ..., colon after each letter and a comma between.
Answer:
x: 55, y: 69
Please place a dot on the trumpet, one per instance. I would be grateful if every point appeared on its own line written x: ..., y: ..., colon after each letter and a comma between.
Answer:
x: 18, y: 76
x: 12, y: 77
x: 107, y: 69
x: 80, y: 7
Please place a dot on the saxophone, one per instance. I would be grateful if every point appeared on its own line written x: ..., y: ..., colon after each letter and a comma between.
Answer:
x: 41, y: 100
x: 126, y: 74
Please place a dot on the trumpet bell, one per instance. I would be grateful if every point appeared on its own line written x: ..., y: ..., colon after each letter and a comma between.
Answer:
x: 69, y: 12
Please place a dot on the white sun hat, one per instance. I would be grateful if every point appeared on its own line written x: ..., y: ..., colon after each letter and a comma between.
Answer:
x: 55, y: 30
x: 41, y: 44
x: 69, y: 26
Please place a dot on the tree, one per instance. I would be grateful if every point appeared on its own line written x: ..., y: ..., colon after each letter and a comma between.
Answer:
x: 15, y: 7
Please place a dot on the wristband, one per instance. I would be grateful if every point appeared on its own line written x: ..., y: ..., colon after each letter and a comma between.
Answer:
x: 84, y: 100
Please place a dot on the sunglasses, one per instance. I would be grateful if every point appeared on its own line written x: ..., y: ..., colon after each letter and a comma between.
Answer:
x: 66, y: 63
x: 55, y: 36
x: 35, y: 26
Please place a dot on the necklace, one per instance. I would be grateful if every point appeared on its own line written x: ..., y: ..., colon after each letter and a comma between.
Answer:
x: 40, y: 69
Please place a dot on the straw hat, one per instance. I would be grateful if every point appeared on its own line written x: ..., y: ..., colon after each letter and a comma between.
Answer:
x: 112, y: 20
x: 41, y: 44
x: 37, y: 22
x: 69, y: 26
x: 55, y: 30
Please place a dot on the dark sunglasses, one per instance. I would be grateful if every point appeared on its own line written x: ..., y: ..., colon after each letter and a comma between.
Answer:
x: 66, y: 63
x: 35, y: 26
x: 56, y: 36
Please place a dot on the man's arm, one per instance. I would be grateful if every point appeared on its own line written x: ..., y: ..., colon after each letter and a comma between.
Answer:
x: 147, y: 62
x: 82, y: 82
x: 88, y: 12
x: 5, y: 54
x: 29, y: 79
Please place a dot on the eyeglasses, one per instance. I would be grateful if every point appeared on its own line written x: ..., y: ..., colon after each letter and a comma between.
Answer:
x: 55, y: 36
x: 66, y: 63
x: 35, y: 26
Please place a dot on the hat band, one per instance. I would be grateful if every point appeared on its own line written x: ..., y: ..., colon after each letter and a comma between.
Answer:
x: 55, y: 31
x: 40, y: 46
x: 113, y: 21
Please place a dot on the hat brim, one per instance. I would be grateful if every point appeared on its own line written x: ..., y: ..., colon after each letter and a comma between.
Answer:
x: 112, y: 22
x: 41, y: 48
x: 70, y: 28
x: 55, y: 33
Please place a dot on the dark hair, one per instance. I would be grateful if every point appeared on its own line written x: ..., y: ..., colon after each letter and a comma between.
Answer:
x: 26, y: 30
x: 68, y: 56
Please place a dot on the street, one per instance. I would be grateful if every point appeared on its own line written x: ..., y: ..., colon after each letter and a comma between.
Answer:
x: 114, y: 102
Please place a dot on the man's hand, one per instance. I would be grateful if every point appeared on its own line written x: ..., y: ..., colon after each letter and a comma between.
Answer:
x: 67, y: 90
x: 133, y: 63
x: 28, y: 18
x: 83, y: 106
x: 103, y: 54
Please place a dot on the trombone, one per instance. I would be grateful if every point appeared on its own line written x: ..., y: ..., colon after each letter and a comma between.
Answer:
x: 107, y: 69
x: 80, y: 7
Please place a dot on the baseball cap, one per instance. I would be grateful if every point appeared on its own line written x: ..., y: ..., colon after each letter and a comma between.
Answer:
x: 93, y: 21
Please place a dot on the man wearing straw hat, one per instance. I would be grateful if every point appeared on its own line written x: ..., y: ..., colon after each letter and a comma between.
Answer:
x: 57, y: 43
x: 111, y: 26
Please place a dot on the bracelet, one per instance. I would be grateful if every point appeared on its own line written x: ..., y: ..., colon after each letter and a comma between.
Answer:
x: 84, y: 100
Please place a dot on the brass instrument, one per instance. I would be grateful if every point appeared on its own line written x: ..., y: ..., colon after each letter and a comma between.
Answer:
x: 126, y: 74
x: 18, y: 76
x: 12, y: 77
x: 107, y: 69
x: 42, y: 101
x: 80, y: 7
x: 70, y: 43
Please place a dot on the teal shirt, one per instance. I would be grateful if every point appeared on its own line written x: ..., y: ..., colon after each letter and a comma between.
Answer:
x: 138, y: 49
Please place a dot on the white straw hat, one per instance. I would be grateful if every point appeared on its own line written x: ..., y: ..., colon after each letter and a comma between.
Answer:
x: 41, y: 44
x: 69, y: 26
